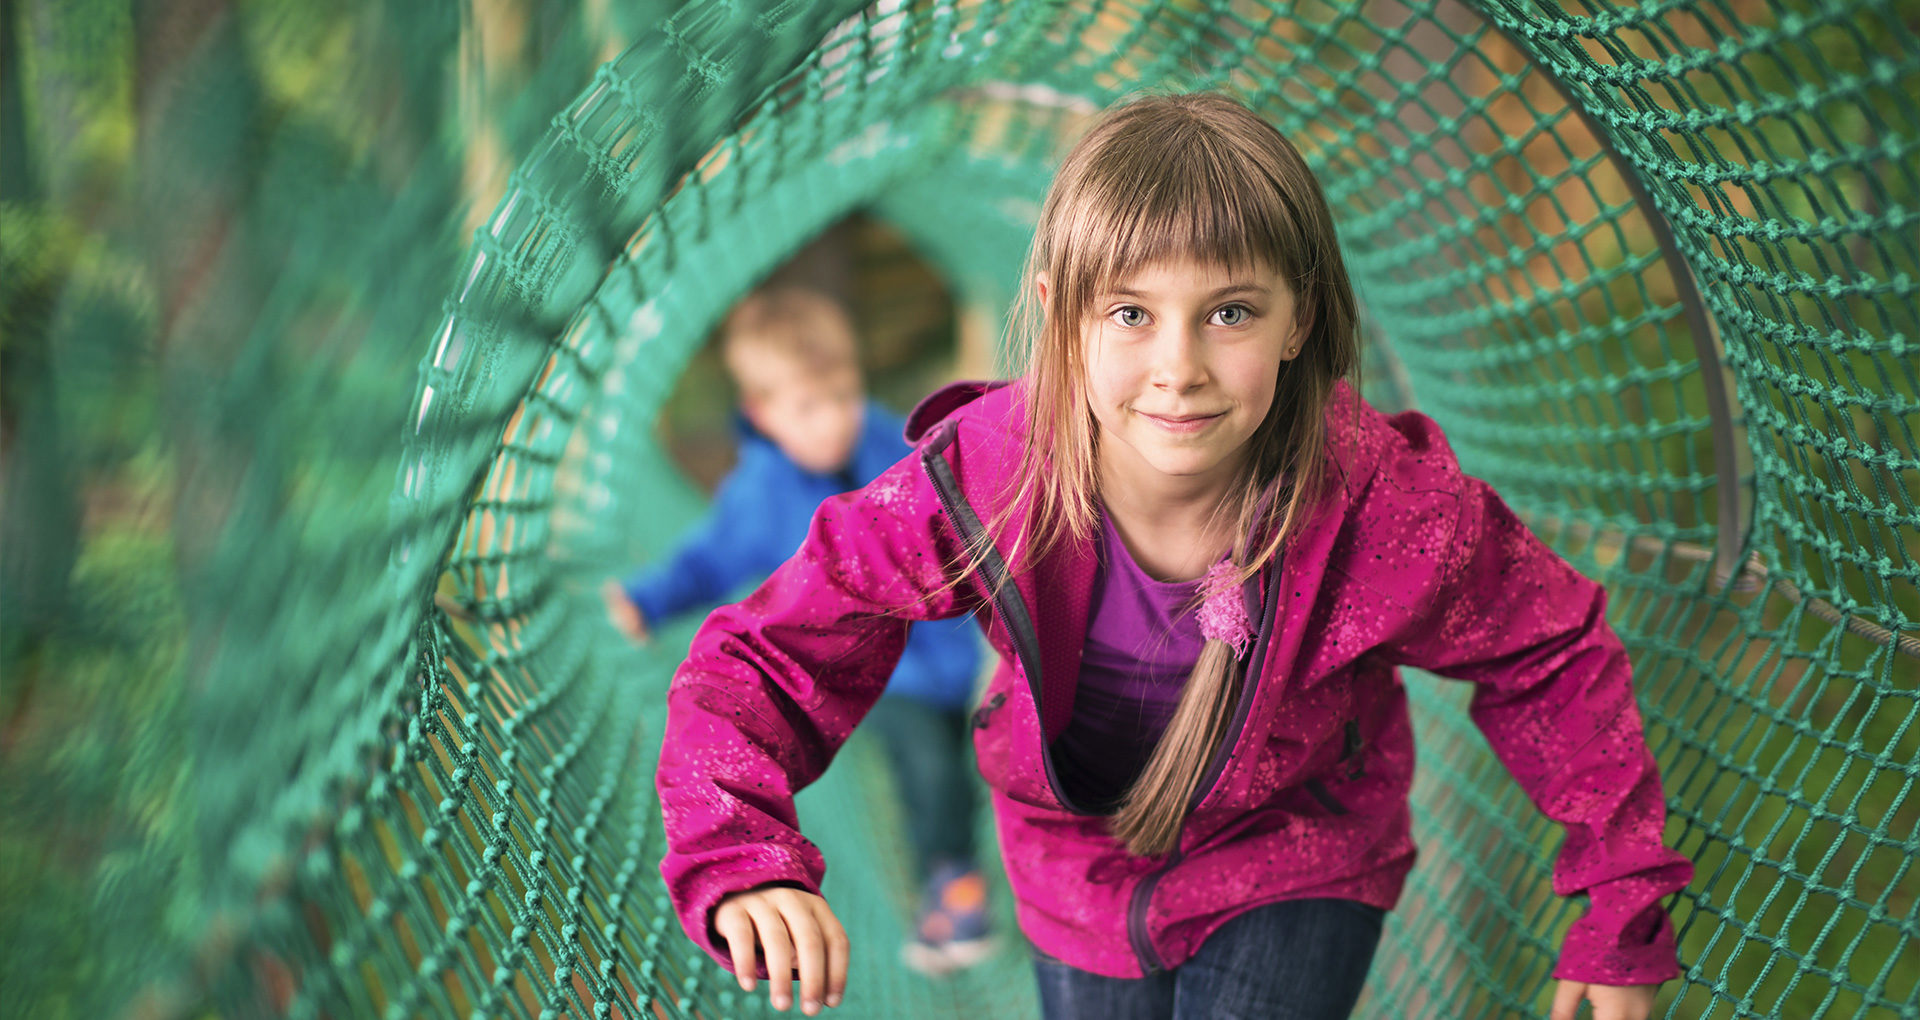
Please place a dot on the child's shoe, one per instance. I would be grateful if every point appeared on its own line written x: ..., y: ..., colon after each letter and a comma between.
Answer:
x: 954, y: 931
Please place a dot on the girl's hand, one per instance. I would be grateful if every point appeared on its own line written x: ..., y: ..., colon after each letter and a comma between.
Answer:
x: 795, y: 931
x: 1610, y: 1002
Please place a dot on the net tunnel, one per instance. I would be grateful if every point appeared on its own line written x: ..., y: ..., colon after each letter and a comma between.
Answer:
x: 1652, y: 266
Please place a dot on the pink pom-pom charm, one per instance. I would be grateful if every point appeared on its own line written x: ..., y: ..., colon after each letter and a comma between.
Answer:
x: 1223, y: 609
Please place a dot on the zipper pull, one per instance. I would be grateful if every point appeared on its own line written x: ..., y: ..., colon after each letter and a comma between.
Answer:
x: 984, y: 712
x: 1351, y: 752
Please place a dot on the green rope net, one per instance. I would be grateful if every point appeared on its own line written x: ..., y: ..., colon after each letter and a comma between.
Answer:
x: 1653, y: 267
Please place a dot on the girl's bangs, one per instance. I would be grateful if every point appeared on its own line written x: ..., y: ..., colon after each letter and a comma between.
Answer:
x: 1180, y: 205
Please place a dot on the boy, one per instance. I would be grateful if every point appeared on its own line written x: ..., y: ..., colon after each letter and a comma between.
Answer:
x: 809, y: 432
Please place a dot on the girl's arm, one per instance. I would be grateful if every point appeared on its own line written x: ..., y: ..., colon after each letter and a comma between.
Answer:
x: 772, y: 686
x: 1556, y: 703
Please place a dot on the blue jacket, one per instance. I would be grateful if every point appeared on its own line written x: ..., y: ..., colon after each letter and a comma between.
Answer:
x: 759, y: 517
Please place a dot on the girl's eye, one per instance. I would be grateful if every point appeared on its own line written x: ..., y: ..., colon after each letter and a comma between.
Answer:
x: 1233, y: 315
x: 1130, y: 316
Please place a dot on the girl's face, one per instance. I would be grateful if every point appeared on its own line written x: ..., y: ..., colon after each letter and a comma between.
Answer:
x: 1182, y: 363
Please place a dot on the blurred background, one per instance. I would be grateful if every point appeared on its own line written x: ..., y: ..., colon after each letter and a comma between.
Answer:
x: 345, y: 346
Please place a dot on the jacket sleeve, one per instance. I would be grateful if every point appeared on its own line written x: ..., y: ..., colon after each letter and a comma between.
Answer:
x: 772, y: 686
x: 725, y: 549
x: 1555, y: 700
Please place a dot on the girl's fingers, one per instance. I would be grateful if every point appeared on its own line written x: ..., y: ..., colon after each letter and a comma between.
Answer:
x: 1623, y: 1003
x: 836, y: 940
x: 778, y: 949
x: 809, y: 952
x: 1566, y: 999
x: 792, y: 930
x: 734, y: 925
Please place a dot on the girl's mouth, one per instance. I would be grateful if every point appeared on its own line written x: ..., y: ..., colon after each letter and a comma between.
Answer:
x: 1182, y: 423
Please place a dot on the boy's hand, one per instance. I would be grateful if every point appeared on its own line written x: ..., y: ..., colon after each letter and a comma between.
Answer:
x: 626, y: 617
x: 796, y: 931
x: 1610, y: 1002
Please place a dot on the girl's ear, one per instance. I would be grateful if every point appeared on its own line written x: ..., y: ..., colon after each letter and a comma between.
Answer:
x: 1302, y: 330
x: 1040, y: 284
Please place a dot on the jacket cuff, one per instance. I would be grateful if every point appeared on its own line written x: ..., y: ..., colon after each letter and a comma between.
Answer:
x: 1642, y: 954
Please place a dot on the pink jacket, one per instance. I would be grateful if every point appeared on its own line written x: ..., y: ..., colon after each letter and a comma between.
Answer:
x: 1406, y: 562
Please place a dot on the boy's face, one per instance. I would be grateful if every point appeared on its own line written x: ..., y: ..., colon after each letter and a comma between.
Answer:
x: 814, y: 419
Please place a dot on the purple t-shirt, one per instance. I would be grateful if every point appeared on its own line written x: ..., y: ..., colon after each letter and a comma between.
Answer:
x: 1143, y: 638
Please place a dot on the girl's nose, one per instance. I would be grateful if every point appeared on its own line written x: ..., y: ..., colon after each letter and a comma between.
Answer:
x: 1177, y: 364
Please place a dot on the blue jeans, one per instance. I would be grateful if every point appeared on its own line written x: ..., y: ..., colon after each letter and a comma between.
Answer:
x: 1292, y: 960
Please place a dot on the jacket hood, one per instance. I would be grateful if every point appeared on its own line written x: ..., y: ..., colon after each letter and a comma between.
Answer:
x: 943, y: 402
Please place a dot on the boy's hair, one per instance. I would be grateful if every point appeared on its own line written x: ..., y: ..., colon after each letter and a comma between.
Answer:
x: 1196, y: 176
x: 807, y: 327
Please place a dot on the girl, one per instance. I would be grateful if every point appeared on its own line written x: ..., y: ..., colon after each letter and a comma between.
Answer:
x: 1201, y: 557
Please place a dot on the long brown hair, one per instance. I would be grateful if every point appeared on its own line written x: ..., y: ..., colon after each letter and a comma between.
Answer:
x: 1200, y: 177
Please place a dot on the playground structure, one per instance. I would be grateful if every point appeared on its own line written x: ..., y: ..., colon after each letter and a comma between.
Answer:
x: 1654, y: 269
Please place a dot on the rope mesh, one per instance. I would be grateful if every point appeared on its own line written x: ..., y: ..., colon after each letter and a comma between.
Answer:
x: 1653, y: 267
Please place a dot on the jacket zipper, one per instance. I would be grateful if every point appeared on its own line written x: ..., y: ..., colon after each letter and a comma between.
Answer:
x: 1142, y: 899
x: 1019, y: 623
x: 1006, y: 598
x: 1150, y: 962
